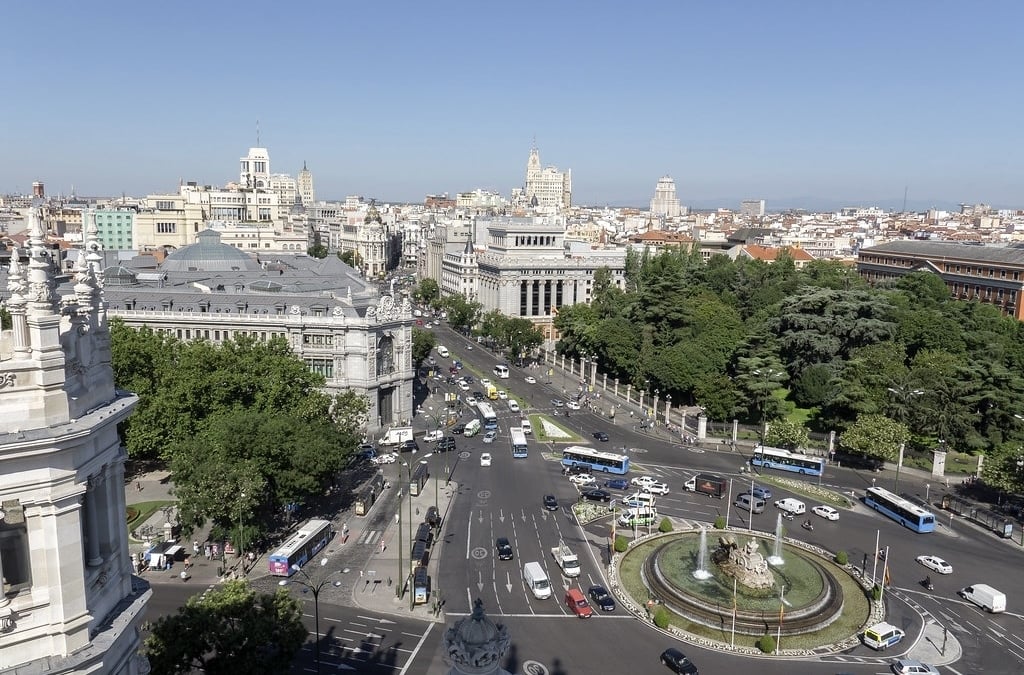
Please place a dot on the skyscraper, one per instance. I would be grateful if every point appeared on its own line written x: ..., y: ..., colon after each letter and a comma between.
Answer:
x: 665, y: 203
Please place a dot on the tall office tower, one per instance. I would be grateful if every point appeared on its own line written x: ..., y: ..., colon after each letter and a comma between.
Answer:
x: 752, y: 208
x: 547, y: 186
x: 69, y: 603
x: 665, y: 203
x: 306, y: 193
x: 38, y: 190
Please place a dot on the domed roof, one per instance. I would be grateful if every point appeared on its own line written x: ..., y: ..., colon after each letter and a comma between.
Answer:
x: 209, y: 255
x: 475, y: 644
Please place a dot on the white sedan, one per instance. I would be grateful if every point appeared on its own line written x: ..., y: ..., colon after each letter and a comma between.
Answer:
x: 935, y: 563
x: 572, y: 405
x: 485, y: 459
x: 582, y: 479
x: 484, y: 382
x: 826, y: 512
x: 463, y: 386
x: 655, y: 488
x: 502, y: 395
x: 530, y: 379
x: 643, y: 480
x: 387, y: 458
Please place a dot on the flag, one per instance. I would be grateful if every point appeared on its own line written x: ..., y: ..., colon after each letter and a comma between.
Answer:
x: 888, y: 579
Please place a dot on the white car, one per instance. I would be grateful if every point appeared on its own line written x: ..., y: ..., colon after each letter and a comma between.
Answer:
x: 655, y: 488
x: 530, y: 379
x: 935, y: 563
x: 484, y: 382
x: 513, y: 405
x: 502, y: 395
x: 643, y: 480
x: 572, y: 405
x: 463, y: 386
x: 490, y: 436
x: 639, y: 500
x: 386, y: 458
x: 485, y: 459
x: 433, y: 436
x: 582, y: 479
x: 826, y: 512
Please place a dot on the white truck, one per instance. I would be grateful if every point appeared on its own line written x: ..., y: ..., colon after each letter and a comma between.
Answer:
x: 536, y: 580
x: 396, y: 436
x: 567, y: 560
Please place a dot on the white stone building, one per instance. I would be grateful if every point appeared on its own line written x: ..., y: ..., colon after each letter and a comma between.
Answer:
x: 69, y: 602
x: 547, y: 186
x: 665, y: 203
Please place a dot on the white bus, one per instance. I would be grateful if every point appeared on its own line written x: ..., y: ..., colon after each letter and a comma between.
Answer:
x: 487, y: 415
x: 519, y: 448
x: 501, y: 370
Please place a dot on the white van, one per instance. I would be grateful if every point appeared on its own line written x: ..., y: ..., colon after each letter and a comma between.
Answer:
x: 749, y: 502
x: 443, y: 351
x: 794, y: 506
x: 882, y: 635
x: 638, y: 517
x: 984, y: 596
x: 526, y: 426
x: 639, y: 500
x: 536, y: 580
x: 472, y: 427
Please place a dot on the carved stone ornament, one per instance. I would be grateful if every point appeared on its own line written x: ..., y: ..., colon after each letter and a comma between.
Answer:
x: 745, y: 563
x: 8, y: 380
x: 475, y: 644
x: 337, y: 311
x: 387, y: 311
x: 295, y: 310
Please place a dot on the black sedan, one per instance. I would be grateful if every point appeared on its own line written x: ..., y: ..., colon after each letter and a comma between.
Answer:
x: 550, y: 503
x: 601, y: 598
x: 459, y: 429
x: 600, y: 435
x: 677, y: 662
x: 504, y: 548
x: 597, y: 495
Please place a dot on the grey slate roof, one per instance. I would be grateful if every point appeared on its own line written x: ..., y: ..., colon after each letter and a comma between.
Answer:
x: 1006, y: 255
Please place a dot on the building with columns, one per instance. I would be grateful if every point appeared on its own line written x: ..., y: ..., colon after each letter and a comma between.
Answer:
x: 529, y: 270
x: 69, y: 602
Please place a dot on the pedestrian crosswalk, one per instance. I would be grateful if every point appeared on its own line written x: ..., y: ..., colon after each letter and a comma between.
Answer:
x: 370, y: 537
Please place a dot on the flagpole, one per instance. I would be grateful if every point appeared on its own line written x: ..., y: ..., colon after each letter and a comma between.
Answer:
x: 885, y: 575
x: 874, y: 555
x: 782, y: 608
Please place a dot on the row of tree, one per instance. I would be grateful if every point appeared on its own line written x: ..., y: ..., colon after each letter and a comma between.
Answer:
x: 900, y: 363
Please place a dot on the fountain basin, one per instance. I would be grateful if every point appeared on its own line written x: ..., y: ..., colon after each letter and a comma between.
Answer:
x: 813, y: 597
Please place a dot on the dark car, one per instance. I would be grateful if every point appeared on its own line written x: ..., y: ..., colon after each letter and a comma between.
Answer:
x: 367, y: 451
x: 468, y: 379
x: 677, y: 661
x: 459, y: 429
x: 433, y: 517
x: 617, y: 484
x: 578, y: 468
x: 550, y: 503
x: 504, y: 548
x: 597, y: 495
x: 479, y: 395
x: 762, y: 492
x: 446, y: 443
x: 457, y: 365
x: 409, y: 446
x: 600, y: 435
x: 601, y: 598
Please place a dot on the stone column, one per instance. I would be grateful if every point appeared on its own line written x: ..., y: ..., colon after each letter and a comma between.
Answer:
x: 604, y: 381
x: 702, y: 427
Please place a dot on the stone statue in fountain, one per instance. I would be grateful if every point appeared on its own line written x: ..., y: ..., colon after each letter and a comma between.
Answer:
x: 745, y: 563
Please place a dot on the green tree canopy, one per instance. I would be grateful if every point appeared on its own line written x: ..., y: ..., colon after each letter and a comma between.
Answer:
x: 423, y: 341
x: 875, y: 436
x: 228, y: 630
x: 786, y: 434
x: 427, y: 292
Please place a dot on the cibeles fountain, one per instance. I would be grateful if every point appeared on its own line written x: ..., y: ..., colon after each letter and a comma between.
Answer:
x: 750, y: 577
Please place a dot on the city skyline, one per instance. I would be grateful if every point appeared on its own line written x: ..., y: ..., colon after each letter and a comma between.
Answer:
x: 811, y: 106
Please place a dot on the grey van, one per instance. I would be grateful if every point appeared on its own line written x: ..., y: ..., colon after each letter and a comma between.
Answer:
x: 750, y: 503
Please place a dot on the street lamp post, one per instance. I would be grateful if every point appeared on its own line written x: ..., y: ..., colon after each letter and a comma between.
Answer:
x: 668, y: 408
x: 314, y: 588
x: 657, y: 392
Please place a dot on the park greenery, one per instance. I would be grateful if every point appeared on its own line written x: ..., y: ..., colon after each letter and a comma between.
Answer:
x: 230, y: 629
x: 901, y: 363
x: 244, y: 425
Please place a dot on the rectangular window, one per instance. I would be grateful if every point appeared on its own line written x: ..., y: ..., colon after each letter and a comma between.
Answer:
x: 164, y: 206
x: 14, y: 553
x: 166, y: 228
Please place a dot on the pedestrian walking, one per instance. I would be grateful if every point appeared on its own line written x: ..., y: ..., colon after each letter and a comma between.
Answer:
x: 208, y: 551
x: 138, y: 486
x: 195, y: 548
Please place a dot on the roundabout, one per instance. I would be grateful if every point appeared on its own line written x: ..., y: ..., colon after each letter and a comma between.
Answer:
x: 718, y: 586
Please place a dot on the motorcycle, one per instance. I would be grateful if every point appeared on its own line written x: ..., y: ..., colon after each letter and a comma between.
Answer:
x: 787, y: 515
x: 807, y: 525
x: 927, y: 583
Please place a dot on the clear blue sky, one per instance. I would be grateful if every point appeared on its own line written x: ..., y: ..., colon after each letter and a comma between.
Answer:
x: 800, y: 103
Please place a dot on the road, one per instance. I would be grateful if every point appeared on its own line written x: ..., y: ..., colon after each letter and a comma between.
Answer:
x: 505, y: 500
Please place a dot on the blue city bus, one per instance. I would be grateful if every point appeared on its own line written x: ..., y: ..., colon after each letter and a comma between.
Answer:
x: 607, y: 462
x: 786, y: 460
x: 903, y: 511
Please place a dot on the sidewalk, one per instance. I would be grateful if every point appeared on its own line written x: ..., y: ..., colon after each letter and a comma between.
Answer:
x: 936, y: 646
x: 376, y: 588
